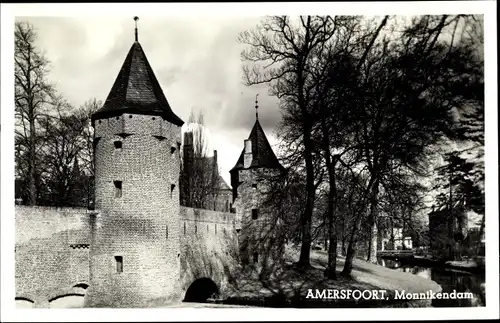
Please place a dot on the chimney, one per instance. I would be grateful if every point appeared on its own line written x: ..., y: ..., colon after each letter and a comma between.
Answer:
x: 247, y: 158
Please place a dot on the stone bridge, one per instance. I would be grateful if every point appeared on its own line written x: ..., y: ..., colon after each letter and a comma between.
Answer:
x: 52, y: 255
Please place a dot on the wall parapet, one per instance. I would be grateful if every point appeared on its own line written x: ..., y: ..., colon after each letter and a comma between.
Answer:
x: 209, y: 216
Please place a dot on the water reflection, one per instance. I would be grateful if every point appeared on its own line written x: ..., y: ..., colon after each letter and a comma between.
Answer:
x: 450, y: 280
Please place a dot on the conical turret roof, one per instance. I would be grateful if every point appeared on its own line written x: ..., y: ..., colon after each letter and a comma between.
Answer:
x: 136, y: 90
x: 262, y: 154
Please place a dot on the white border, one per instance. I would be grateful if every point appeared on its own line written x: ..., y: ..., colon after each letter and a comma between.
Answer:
x: 9, y: 11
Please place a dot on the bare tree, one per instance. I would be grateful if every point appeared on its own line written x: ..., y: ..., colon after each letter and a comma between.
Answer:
x: 281, y: 54
x: 66, y: 155
x: 200, y: 174
x: 32, y: 94
x: 407, y: 88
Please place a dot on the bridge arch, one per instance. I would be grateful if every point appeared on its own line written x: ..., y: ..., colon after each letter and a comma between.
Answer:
x: 70, y: 300
x: 24, y: 302
x: 201, y: 290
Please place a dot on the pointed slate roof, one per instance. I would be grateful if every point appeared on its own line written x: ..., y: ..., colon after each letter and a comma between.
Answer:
x: 262, y: 154
x: 136, y: 90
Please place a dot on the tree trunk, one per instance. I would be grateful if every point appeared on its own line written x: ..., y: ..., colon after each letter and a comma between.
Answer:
x: 332, y: 249
x: 32, y: 157
x: 305, y: 250
x: 372, y: 252
x: 330, y: 271
x: 351, y: 249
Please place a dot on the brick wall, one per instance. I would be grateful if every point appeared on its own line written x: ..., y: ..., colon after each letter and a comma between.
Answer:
x: 257, y: 237
x: 52, y: 253
x: 145, y: 226
x: 209, y: 248
x: 141, y: 226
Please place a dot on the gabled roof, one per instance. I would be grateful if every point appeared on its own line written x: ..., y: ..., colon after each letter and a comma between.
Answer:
x: 262, y: 154
x: 222, y: 184
x: 136, y: 90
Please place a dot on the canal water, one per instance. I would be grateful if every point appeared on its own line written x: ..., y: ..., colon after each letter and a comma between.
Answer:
x: 449, y: 279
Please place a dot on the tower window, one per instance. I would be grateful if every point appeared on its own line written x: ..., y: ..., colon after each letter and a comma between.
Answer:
x: 130, y: 116
x: 255, y: 257
x: 172, y: 187
x: 119, y: 264
x: 154, y: 118
x: 255, y: 214
x: 254, y: 186
x: 118, y: 188
x: 118, y: 144
x: 172, y: 150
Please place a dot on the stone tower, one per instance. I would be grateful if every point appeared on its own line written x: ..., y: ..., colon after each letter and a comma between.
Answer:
x: 256, y: 165
x: 134, y: 252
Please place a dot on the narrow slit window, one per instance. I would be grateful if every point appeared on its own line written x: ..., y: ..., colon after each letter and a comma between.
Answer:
x: 255, y: 257
x: 118, y: 144
x: 216, y: 229
x: 195, y: 228
x: 172, y: 187
x: 166, y: 232
x: 184, y: 228
x: 208, y: 228
x: 255, y: 214
x: 119, y: 264
x: 172, y: 150
x: 118, y: 188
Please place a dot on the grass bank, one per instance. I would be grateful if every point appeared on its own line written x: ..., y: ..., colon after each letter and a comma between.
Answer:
x: 289, y: 287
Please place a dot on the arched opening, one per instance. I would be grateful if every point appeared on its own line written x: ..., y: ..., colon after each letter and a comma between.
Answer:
x: 67, y: 301
x: 82, y: 285
x: 201, y: 290
x: 22, y: 302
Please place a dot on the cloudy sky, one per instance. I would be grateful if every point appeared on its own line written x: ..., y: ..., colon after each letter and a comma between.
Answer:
x: 197, y: 62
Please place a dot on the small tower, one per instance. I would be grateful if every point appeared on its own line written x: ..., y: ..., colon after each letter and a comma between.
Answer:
x: 134, y: 252
x: 257, y: 162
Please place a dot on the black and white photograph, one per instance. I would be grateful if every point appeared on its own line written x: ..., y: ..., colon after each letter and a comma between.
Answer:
x: 249, y: 161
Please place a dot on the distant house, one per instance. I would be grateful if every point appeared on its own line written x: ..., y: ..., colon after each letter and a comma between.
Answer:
x: 395, y: 240
x: 452, y: 232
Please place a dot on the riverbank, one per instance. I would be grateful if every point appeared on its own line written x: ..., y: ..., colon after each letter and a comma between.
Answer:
x: 289, y: 287
x: 470, y: 265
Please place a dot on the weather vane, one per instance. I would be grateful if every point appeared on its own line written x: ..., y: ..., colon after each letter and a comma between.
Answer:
x: 136, y: 36
x: 256, y: 107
